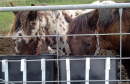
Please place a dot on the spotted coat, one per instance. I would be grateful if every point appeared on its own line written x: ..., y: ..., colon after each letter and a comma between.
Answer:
x: 34, y: 23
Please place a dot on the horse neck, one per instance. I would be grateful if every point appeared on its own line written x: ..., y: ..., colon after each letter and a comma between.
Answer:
x: 110, y: 42
x: 104, y: 44
x: 53, y: 25
x: 58, y: 26
x: 57, y: 23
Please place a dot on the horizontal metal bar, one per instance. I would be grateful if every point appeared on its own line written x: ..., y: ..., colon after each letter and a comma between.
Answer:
x: 64, y: 81
x: 68, y: 35
x: 65, y: 59
x: 64, y: 7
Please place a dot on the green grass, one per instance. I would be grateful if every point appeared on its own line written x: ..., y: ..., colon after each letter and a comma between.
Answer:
x: 6, y: 18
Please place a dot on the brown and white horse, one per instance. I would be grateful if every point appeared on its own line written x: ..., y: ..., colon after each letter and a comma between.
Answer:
x: 103, y: 21
x: 34, y: 23
x: 30, y: 23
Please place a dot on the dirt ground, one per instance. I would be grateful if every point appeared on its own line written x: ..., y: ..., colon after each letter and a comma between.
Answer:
x: 7, y: 47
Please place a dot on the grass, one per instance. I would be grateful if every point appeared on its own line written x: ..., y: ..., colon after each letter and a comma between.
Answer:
x: 6, y: 18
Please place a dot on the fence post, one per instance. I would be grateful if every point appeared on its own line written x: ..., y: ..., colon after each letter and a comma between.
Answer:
x: 5, y: 70
x: 43, y: 68
x: 107, y: 68
x: 24, y: 70
x: 68, y: 70
x: 87, y: 70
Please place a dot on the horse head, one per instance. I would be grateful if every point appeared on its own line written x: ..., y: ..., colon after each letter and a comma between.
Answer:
x: 109, y: 22
x: 32, y: 23
x: 26, y: 23
x: 83, y: 24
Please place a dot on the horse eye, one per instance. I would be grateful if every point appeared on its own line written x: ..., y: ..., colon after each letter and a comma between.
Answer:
x: 88, y: 45
x: 31, y: 40
x: 33, y: 23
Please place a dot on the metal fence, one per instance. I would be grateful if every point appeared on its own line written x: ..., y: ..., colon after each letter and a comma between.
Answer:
x: 63, y: 7
x: 5, y: 24
x: 56, y: 2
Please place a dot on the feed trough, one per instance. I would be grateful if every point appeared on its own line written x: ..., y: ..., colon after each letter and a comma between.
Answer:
x: 27, y: 68
x: 83, y: 69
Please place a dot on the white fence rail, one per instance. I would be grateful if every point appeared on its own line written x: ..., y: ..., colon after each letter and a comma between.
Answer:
x: 64, y: 7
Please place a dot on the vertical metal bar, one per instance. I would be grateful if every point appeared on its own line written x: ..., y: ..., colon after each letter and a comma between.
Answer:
x: 57, y: 45
x: 43, y: 68
x: 87, y: 70
x: 120, y: 12
x: 24, y: 70
x: 68, y: 70
x: 107, y: 68
x: 5, y: 70
x: 56, y: 33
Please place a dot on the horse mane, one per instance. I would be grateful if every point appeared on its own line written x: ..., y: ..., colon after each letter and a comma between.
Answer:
x: 21, y: 17
x: 18, y: 20
x: 77, y: 24
x: 106, y: 18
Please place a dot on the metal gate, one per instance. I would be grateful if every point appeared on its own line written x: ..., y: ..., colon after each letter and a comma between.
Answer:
x: 23, y: 62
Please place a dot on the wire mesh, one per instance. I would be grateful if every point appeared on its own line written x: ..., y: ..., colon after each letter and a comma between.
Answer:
x: 7, y: 45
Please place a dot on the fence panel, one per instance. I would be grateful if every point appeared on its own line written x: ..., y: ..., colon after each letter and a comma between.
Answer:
x: 6, y: 20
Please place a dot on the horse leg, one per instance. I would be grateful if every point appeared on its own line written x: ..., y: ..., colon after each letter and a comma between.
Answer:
x: 126, y: 63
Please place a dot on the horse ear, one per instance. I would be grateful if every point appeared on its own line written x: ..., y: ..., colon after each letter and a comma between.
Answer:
x: 12, y: 4
x: 15, y: 13
x: 33, y: 15
x: 32, y: 5
x: 94, y: 18
x: 67, y: 17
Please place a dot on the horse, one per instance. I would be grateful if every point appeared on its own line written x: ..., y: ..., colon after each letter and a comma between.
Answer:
x: 34, y: 23
x: 100, y: 21
x: 99, y: 3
